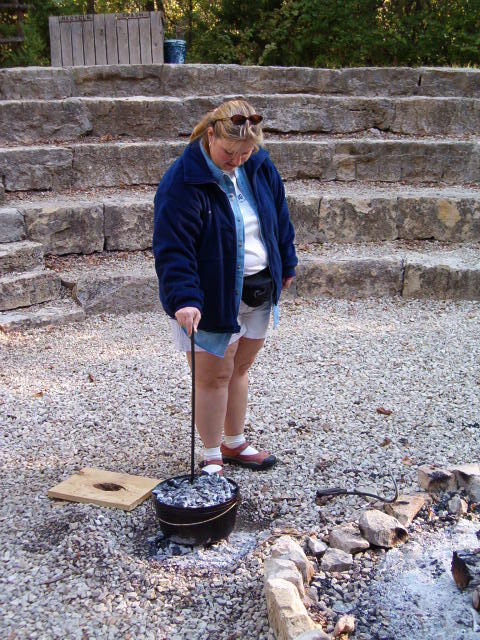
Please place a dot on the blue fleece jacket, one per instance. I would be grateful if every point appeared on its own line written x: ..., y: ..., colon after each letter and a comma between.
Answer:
x: 194, y: 237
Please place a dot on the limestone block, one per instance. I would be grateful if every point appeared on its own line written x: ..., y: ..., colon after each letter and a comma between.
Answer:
x: 27, y: 122
x: 450, y: 280
x: 302, y: 160
x: 25, y: 289
x: 286, y: 547
x: 42, y: 168
x: 468, y: 477
x: 336, y: 560
x: 119, y: 293
x: 357, y: 219
x: 381, y: 529
x: 63, y: 228
x: 123, y: 163
x: 476, y: 598
x: 129, y: 224
x: 47, y: 314
x: 447, y: 219
x: 406, y: 507
x: 432, y: 478
x: 20, y: 256
x: 304, y: 215
x: 347, y: 537
x: 35, y: 83
x: 427, y: 116
x: 286, y: 570
x: 2, y: 192
x: 12, y: 228
x: 349, y: 277
x: 449, y: 82
x: 378, y: 81
x: 286, y: 612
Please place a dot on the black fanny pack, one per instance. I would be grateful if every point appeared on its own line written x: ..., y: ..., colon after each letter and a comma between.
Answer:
x: 257, y: 288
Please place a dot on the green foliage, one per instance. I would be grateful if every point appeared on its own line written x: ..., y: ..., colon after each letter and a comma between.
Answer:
x: 322, y: 33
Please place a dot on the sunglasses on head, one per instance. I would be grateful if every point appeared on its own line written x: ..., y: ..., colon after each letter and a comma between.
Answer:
x: 238, y: 119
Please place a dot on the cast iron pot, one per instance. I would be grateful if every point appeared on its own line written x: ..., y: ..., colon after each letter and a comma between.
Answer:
x: 197, y: 525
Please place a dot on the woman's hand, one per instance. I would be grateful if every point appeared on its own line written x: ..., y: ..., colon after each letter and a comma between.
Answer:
x: 188, y: 317
x: 286, y: 282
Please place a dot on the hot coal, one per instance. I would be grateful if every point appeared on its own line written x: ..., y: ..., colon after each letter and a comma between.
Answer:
x: 206, y: 491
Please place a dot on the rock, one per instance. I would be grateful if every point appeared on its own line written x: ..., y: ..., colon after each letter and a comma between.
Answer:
x: 64, y: 228
x: 314, y: 634
x: 336, y: 560
x: 345, y: 625
x: 286, y: 570
x: 476, y: 598
x: 468, y: 477
x: 466, y: 567
x: 356, y: 219
x: 452, y: 280
x: 457, y: 506
x: 47, y: 314
x: 304, y: 215
x: 45, y: 167
x: 116, y: 292
x: 25, y: 289
x: 20, y: 256
x: 347, y: 537
x: 381, y: 529
x: 316, y: 547
x: 351, y: 277
x: 11, y: 224
x: 406, y: 507
x: 436, y: 479
x: 286, y: 612
x: 286, y: 547
x: 128, y: 224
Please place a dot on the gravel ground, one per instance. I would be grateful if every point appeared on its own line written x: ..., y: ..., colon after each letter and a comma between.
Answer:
x: 112, y: 393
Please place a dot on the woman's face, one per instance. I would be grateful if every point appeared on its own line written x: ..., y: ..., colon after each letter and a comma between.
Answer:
x: 228, y: 155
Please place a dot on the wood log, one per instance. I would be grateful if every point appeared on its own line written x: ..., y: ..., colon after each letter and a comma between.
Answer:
x: 466, y: 567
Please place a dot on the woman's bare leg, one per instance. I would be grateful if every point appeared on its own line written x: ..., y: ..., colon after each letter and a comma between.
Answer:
x: 212, y: 378
x: 238, y: 387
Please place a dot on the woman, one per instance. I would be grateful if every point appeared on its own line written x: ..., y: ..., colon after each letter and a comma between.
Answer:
x: 223, y: 246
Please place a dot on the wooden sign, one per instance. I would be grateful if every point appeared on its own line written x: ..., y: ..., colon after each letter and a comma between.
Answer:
x: 104, y: 488
x: 114, y: 38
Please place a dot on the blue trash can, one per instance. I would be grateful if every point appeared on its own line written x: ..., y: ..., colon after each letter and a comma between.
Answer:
x: 174, y: 51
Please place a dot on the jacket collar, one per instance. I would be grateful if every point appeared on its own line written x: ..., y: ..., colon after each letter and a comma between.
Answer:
x: 197, y: 171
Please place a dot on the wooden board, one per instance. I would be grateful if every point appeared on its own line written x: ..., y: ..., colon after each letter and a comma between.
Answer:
x: 55, y: 45
x: 99, y: 34
x: 89, y: 43
x: 122, y: 39
x: 145, y: 41
x: 77, y: 44
x: 66, y: 40
x: 134, y: 41
x: 86, y: 486
x: 157, y: 37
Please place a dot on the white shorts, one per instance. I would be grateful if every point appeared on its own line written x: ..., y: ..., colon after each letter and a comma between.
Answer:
x: 253, y: 323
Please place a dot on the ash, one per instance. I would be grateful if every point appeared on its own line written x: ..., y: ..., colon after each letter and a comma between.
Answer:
x: 223, y: 556
x: 206, y: 491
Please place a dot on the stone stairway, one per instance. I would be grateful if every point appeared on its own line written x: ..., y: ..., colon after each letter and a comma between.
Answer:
x: 381, y: 169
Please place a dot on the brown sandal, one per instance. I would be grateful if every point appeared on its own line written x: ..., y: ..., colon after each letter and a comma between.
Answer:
x: 257, y: 462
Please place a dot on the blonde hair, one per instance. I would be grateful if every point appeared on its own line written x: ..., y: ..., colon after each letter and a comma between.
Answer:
x: 225, y: 129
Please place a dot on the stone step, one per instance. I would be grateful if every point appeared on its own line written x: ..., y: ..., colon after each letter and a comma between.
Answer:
x: 28, y: 288
x: 322, y: 212
x: 33, y: 121
x: 134, y: 163
x: 412, y: 270
x: 123, y: 282
x: 20, y: 256
x: 12, y: 227
x: 192, y: 79
x: 41, y: 315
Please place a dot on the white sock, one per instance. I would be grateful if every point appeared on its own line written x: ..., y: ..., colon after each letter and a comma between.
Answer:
x: 235, y: 441
x: 212, y: 454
